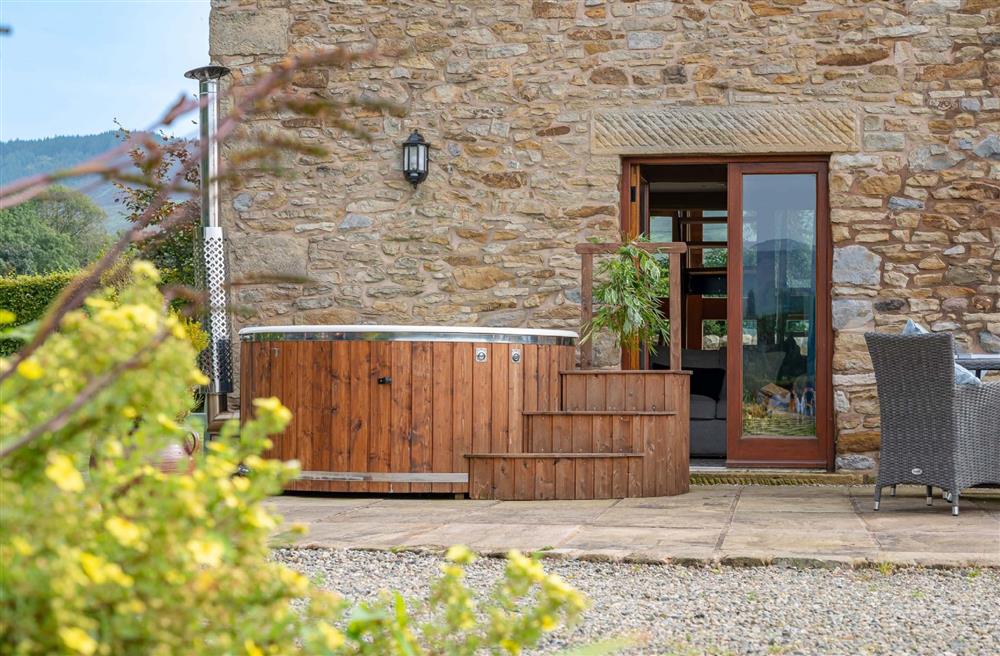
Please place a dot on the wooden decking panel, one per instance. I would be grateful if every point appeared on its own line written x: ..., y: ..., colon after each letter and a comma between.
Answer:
x: 481, y: 472
x: 380, y: 396
x: 401, y: 422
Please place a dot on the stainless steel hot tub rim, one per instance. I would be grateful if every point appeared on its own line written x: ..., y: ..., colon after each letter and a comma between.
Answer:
x: 391, y: 333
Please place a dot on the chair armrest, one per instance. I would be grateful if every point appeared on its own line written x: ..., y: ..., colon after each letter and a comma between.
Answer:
x: 977, y: 409
x: 972, y: 396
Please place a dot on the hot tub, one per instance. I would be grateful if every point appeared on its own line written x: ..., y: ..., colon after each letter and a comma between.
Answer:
x: 398, y: 408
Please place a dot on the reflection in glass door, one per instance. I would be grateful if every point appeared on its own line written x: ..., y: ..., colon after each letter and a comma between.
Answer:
x: 778, y: 272
x: 779, y: 304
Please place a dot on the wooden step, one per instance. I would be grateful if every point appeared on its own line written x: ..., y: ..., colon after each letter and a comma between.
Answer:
x: 538, y: 476
x: 602, y: 434
x: 620, y: 372
x: 554, y: 455
x: 631, y: 391
x: 600, y: 413
x: 594, y: 432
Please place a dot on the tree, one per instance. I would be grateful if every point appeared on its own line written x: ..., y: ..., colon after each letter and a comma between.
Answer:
x: 29, y: 246
x: 172, y: 251
x: 58, y: 230
x: 73, y: 214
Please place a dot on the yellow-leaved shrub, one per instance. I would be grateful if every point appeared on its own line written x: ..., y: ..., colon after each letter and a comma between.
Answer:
x: 101, y: 553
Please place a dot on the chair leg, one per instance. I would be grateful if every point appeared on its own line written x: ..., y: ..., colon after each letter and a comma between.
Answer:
x: 878, y: 495
x: 954, y: 503
x: 893, y: 493
x: 930, y: 495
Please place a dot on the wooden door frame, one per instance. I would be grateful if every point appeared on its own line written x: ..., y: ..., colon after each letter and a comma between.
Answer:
x: 765, y: 451
x: 629, y: 220
x: 695, y: 310
x: 777, y: 451
x: 631, y: 201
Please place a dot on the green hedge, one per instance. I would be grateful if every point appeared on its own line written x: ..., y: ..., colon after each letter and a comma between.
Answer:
x: 28, y: 297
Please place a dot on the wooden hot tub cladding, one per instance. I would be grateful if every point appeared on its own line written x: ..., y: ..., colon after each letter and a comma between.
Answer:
x: 492, y: 413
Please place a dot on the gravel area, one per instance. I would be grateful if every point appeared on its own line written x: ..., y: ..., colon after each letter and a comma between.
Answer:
x: 680, y: 610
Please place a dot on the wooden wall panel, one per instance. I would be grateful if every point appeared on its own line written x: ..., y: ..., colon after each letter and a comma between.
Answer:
x: 340, y: 411
x: 283, y: 386
x: 679, y: 449
x: 558, y: 359
x: 565, y: 468
x: 503, y: 474
x: 596, y: 391
x: 422, y: 434
x: 443, y: 397
x: 515, y: 398
x: 583, y: 443
x: 574, y: 393
x: 530, y: 372
x: 481, y: 471
x: 635, y: 468
x: 246, y: 376
x: 380, y: 396
x: 320, y: 387
x: 359, y: 410
x: 462, y: 411
x: 400, y: 421
x: 601, y: 442
x: 652, y: 431
x: 545, y: 470
x: 615, y: 400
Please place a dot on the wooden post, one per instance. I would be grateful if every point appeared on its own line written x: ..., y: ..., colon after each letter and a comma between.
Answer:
x: 675, y: 311
x: 587, y: 306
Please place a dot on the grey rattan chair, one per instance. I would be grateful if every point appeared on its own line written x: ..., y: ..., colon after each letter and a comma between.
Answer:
x: 934, y: 432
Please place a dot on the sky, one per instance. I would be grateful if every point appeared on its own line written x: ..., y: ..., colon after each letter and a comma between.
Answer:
x: 74, y: 66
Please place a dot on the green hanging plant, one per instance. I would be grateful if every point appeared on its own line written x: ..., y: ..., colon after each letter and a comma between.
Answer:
x: 627, y: 298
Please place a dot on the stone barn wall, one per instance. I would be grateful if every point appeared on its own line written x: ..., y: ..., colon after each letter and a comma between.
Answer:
x: 507, y: 91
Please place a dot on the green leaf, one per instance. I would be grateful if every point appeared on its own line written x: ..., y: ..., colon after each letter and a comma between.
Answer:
x: 627, y: 297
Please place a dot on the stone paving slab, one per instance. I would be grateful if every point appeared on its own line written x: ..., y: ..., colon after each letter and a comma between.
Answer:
x: 408, y: 511
x: 688, y: 542
x: 361, y: 535
x: 495, y: 537
x: 821, y: 525
x: 666, y: 519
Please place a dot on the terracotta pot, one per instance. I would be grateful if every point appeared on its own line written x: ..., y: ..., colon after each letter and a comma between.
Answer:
x: 179, y: 456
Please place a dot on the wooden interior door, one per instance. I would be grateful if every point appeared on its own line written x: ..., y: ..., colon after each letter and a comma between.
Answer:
x: 779, y: 333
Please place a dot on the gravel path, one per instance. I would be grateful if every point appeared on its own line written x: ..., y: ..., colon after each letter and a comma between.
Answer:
x: 679, y: 610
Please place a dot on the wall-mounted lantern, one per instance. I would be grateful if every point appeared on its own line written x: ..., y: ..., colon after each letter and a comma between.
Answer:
x: 415, y: 158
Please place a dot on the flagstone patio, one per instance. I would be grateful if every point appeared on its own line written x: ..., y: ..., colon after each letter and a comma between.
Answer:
x: 797, y: 525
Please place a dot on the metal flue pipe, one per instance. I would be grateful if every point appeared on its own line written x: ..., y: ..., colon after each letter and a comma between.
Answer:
x: 213, y: 251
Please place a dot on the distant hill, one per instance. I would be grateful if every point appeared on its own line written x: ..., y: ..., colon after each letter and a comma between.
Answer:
x: 23, y: 157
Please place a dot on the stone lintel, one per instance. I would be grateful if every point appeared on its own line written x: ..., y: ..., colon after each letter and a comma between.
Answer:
x: 724, y: 130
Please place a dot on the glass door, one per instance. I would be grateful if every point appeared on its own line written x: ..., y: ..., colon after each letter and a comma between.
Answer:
x: 779, y: 342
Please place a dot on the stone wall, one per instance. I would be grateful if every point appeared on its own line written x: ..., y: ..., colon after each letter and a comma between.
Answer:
x: 506, y: 92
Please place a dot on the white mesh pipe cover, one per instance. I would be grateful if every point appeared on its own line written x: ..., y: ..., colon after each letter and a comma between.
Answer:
x: 212, y: 241
x: 218, y: 315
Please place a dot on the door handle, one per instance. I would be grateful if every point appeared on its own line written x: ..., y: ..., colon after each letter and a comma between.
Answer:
x: 385, y: 380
